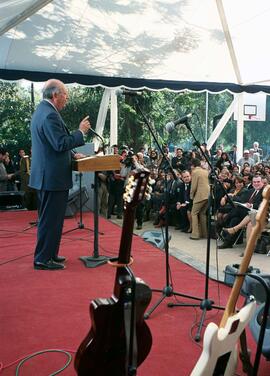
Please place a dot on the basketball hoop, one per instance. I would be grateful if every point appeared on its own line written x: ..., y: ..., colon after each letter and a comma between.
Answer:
x: 254, y: 107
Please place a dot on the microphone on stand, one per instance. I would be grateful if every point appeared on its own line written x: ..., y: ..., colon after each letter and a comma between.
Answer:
x: 100, y: 137
x: 182, y: 120
x: 96, y: 134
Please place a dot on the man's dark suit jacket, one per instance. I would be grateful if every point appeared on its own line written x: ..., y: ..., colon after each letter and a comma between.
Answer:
x: 180, y: 196
x: 51, y: 150
x: 256, y: 200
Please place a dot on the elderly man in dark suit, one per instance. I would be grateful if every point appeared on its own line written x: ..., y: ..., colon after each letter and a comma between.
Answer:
x: 51, y: 172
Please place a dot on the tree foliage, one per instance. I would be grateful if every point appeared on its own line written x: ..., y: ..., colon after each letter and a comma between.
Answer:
x: 15, y: 115
x: 134, y: 113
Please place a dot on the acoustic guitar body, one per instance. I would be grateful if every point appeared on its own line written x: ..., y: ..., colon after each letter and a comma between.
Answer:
x: 104, y: 350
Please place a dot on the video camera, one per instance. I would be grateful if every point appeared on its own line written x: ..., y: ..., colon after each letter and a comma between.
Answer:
x: 128, y: 161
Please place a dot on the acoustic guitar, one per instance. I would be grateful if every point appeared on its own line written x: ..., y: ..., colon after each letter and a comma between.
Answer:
x: 119, y: 337
x: 220, y: 344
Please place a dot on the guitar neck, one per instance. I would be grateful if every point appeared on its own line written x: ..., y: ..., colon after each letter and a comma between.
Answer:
x: 255, y: 233
x: 126, y: 237
x: 236, y: 289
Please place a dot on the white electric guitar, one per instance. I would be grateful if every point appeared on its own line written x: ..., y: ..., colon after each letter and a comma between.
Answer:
x: 220, y: 343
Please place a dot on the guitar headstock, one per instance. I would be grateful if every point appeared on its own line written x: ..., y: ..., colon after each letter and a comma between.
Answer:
x: 136, y: 188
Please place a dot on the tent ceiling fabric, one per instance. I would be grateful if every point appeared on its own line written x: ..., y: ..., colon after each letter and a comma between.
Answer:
x: 173, y: 44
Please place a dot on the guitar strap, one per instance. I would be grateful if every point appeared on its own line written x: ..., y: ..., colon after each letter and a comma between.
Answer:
x: 245, y: 355
x: 130, y: 329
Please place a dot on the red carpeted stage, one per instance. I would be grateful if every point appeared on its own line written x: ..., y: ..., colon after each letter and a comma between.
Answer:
x: 50, y: 309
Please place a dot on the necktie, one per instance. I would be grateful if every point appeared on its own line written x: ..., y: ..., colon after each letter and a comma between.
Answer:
x: 251, y: 199
x: 186, y: 192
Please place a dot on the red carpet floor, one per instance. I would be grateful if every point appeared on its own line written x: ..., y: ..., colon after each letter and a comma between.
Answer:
x: 49, y: 310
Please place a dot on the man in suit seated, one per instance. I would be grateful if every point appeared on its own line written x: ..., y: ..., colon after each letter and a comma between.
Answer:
x: 250, y: 199
x: 184, y: 203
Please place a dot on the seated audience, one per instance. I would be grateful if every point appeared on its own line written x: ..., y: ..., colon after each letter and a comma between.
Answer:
x: 251, y: 199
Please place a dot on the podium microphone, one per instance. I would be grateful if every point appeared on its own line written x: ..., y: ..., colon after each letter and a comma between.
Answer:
x: 96, y: 134
x: 182, y: 120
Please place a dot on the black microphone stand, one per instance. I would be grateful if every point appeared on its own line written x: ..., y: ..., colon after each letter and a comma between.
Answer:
x: 206, y: 303
x: 167, y: 290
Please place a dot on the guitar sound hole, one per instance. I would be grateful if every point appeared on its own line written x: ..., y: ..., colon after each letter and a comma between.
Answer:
x: 221, y: 364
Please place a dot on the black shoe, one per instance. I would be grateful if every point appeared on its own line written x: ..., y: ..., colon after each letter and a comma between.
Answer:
x: 49, y: 265
x: 119, y: 217
x: 225, y: 245
x: 184, y: 229
x: 260, y: 251
x: 139, y: 227
x: 59, y: 259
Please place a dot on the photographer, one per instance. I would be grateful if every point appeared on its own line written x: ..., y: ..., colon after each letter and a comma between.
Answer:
x: 116, y: 184
x: 137, y: 162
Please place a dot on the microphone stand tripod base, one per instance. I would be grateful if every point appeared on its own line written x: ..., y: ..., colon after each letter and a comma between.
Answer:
x: 93, y: 262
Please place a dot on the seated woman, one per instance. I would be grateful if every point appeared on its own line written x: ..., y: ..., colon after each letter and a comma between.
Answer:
x: 234, y: 194
x: 246, y: 169
x: 233, y: 230
x: 247, y: 222
x: 249, y: 200
x: 224, y: 161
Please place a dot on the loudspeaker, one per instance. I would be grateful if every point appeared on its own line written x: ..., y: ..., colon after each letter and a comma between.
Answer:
x: 11, y: 200
x: 157, y: 238
x: 255, y: 327
x: 73, y: 205
x: 253, y: 287
x: 231, y: 270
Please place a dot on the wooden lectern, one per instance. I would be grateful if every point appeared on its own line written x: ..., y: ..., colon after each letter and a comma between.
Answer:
x: 96, y: 163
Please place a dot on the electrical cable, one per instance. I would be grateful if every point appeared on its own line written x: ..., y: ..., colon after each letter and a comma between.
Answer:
x: 16, y: 258
x: 24, y: 359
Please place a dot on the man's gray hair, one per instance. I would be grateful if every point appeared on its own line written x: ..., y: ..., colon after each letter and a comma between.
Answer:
x: 48, y: 91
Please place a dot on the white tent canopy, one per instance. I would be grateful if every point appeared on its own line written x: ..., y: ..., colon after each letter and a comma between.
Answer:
x: 176, y: 44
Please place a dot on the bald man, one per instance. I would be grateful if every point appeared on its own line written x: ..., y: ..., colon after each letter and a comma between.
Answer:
x: 51, y: 171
